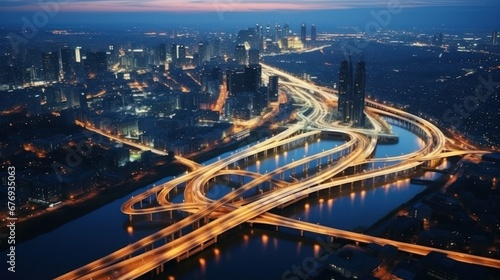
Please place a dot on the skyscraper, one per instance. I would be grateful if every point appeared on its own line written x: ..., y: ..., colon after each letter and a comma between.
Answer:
x: 345, y: 91
x: 211, y: 79
x: 258, y: 31
x: 235, y: 82
x: 359, y: 95
x: 50, y: 62
x: 253, y: 56
x: 314, y: 34
x: 68, y: 64
x: 178, y: 54
x: 203, y: 52
x: 162, y: 53
x: 273, y: 89
x: 286, y: 31
x: 253, y: 77
x: 303, y: 32
x: 351, y: 102
x: 96, y: 63
x: 278, y: 33
x: 494, y: 37
x: 240, y: 54
x: 268, y: 32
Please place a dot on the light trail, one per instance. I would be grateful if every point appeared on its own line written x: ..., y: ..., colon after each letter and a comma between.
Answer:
x: 223, y: 214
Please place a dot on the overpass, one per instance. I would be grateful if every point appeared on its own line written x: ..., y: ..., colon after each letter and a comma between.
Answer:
x: 209, y: 218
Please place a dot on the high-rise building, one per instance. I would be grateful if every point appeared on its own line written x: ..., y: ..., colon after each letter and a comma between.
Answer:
x: 494, y: 37
x: 203, y: 52
x: 273, y: 89
x: 50, y: 62
x: 240, y: 54
x: 278, y: 33
x: 314, y: 33
x: 359, y: 95
x: 95, y: 63
x: 253, y: 56
x: 162, y: 53
x: 260, y: 100
x: 68, y: 64
x: 258, y: 31
x: 253, y: 77
x: 235, y: 82
x: 211, y: 79
x: 286, y: 31
x: 12, y: 75
x: 351, y: 103
x: 178, y: 54
x: 303, y: 32
x: 78, y: 54
x: 345, y: 101
x: 268, y: 32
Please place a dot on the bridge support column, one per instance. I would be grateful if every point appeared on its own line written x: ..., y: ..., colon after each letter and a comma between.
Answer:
x: 277, y: 228
x: 331, y: 239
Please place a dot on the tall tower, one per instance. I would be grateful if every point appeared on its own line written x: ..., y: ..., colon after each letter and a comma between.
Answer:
x: 240, y: 54
x: 352, y: 93
x: 268, y: 31
x: 345, y: 91
x: 303, y: 32
x: 253, y: 77
x: 314, y: 33
x: 273, y: 88
x: 253, y: 56
x: 286, y: 30
x: 162, y: 53
x: 68, y: 64
x: 494, y: 37
x: 96, y: 63
x: 50, y: 62
x: 359, y: 95
x: 178, y: 54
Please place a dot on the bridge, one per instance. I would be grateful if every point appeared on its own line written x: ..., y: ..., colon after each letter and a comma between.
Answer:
x: 250, y: 202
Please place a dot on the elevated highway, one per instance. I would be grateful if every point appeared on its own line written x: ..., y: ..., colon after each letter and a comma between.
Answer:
x: 210, y: 218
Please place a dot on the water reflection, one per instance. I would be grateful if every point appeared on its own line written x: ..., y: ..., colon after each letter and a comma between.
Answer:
x: 264, y: 240
x: 217, y: 255
x: 317, y: 249
x: 203, y: 265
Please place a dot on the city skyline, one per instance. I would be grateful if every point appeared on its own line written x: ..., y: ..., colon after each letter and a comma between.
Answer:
x: 202, y: 139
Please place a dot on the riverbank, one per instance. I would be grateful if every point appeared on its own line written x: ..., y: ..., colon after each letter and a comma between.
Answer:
x: 381, y: 224
x: 50, y: 221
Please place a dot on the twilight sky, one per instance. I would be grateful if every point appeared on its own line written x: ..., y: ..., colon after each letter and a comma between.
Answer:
x: 432, y: 12
x: 227, y: 5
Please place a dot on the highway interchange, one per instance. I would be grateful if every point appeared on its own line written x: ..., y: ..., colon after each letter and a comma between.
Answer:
x: 208, y: 218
